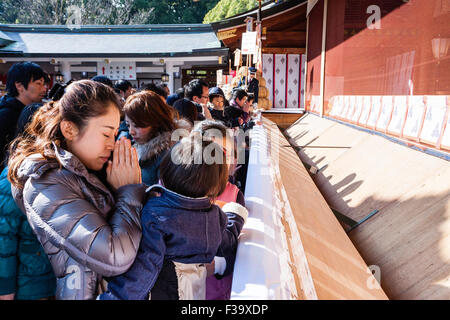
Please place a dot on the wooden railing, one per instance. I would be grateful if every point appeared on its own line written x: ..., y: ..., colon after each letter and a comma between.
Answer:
x: 292, y: 246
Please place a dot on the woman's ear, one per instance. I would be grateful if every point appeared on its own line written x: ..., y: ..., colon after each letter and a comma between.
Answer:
x: 68, y: 129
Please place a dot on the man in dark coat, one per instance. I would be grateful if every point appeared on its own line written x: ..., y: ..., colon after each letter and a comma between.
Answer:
x: 25, y: 84
x: 253, y: 84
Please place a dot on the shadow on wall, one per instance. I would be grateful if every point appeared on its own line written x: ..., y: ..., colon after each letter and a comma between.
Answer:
x: 408, y: 239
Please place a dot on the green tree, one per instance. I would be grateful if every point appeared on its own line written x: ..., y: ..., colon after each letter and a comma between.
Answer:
x: 9, y: 11
x: 177, y: 11
x: 104, y: 11
x: 228, y: 8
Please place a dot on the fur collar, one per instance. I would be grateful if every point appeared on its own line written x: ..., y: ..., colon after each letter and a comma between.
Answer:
x: 160, y: 143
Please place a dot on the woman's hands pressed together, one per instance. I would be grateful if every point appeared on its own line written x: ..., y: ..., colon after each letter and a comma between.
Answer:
x: 124, y: 168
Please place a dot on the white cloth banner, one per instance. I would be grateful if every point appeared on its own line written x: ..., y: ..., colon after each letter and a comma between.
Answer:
x: 293, y: 80
x: 267, y: 70
x: 285, y: 79
x: 279, y: 100
x: 302, y: 81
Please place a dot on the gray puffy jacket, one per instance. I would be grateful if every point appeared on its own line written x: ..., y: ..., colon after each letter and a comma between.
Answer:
x: 86, y: 231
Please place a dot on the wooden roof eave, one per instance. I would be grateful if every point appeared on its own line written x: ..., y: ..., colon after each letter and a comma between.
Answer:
x: 238, y: 20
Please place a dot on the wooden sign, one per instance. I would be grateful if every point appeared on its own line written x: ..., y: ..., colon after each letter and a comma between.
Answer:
x: 445, y: 141
x: 336, y: 105
x: 315, y: 104
x: 351, y: 107
x: 249, y: 24
x: 345, y: 107
x: 331, y: 104
x: 434, y: 119
x: 374, y: 112
x: 365, y: 112
x: 219, y: 74
x: 414, y: 118
x: 385, y: 113
x: 358, y: 109
x: 398, y: 115
x: 249, y: 43
x: 117, y: 70
x: 237, y: 58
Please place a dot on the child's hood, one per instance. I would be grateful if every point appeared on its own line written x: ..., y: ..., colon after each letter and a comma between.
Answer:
x: 192, y: 226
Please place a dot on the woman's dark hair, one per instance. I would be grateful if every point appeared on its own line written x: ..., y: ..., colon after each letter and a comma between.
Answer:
x: 239, y: 94
x: 147, y: 109
x: 194, y: 88
x: 123, y: 85
x: 104, y: 80
x: 170, y: 100
x: 180, y: 92
x: 25, y: 117
x: 185, y: 171
x: 58, y: 89
x: 186, y: 109
x: 83, y: 100
x: 24, y: 73
x: 155, y: 88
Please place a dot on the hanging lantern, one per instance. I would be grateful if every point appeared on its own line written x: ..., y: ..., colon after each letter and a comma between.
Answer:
x: 440, y: 47
x: 165, y: 77
x: 59, y: 77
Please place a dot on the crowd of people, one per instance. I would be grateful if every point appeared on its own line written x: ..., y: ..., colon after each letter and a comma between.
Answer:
x: 107, y: 192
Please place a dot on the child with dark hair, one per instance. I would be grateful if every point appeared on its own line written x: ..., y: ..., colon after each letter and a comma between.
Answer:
x: 216, y: 105
x: 218, y: 285
x: 182, y: 229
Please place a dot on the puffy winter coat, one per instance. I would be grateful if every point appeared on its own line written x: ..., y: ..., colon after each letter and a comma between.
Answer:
x: 10, y: 109
x: 180, y: 235
x: 86, y: 230
x: 151, y: 153
x: 24, y: 267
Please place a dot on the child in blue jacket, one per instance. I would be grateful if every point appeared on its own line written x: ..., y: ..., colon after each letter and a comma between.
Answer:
x: 182, y: 230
